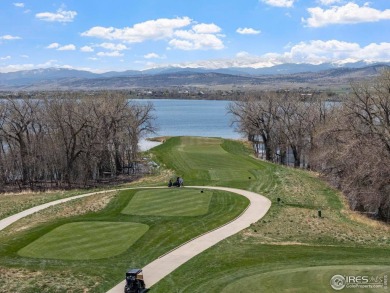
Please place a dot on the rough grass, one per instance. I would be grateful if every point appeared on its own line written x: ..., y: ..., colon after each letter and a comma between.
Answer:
x: 291, y: 234
x: 85, y: 205
x: 34, y: 281
x: 300, y: 225
x: 169, y: 202
x: 85, y: 240
x: 12, y: 203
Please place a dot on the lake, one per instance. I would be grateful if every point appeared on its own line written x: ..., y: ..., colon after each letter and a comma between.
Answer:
x: 191, y: 118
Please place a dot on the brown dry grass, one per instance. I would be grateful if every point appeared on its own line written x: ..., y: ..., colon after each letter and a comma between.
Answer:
x: 159, y: 138
x: 285, y: 224
x: 75, y: 207
x: 12, y: 203
x: 163, y: 176
x: 23, y: 280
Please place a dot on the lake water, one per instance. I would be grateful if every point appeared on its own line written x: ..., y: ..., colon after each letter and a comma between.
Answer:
x: 191, y: 118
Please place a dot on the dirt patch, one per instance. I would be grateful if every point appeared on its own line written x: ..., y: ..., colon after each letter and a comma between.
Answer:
x: 22, y: 280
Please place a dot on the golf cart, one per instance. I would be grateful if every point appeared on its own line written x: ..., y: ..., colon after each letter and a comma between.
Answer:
x: 135, y: 281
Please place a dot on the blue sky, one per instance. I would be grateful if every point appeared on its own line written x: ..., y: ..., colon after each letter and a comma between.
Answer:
x: 138, y: 34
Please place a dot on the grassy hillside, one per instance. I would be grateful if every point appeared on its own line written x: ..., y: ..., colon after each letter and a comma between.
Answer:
x: 290, y: 249
x: 291, y: 236
x: 92, y: 247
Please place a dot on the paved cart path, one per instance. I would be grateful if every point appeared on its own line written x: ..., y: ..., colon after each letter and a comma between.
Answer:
x: 12, y: 219
x: 164, y: 265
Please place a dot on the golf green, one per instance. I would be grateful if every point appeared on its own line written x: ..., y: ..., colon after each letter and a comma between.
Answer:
x: 207, y: 154
x: 85, y: 240
x: 313, y: 279
x: 169, y: 202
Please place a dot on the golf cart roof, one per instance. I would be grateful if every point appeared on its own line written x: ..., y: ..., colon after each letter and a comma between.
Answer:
x: 133, y: 272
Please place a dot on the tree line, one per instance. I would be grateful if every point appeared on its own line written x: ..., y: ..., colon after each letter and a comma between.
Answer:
x: 66, y: 139
x: 347, y: 141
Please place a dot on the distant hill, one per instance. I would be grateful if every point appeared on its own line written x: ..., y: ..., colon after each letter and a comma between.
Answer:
x: 280, y: 76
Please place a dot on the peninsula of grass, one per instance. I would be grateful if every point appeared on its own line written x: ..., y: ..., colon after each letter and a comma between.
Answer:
x: 169, y: 202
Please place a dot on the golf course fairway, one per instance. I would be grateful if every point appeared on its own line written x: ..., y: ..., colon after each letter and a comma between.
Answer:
x: 286, y: 249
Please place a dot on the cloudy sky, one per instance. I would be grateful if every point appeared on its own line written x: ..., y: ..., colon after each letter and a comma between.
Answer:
x: 139, y: 34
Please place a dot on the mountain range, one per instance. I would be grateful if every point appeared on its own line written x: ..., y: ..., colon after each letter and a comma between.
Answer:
x: 279, y: 76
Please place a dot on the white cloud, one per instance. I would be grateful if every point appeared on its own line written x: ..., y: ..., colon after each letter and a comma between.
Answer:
x: 206, y: 28
x: 69, y: 47
x: 149, y: 30
x: 329, y: 2
x: 19, y: 4
x: 181, y: 44
x: 86, y: 49
x: 348, y: 14
x: 201, y: 36
x: 24, y: 56
x: 9, y: 37
x: 318, y: 51
x: 312, y: 52
x: 189, y: 40
x: 110, y: 54
x: 279, y: 3
x: 5, y: 58
x: 242, y: 54
x: 152, y: 56
x: 59, y: 16
x: 193, y: 40
x: 247, y: 31
x: 53, y: 46
x: 113, y: 47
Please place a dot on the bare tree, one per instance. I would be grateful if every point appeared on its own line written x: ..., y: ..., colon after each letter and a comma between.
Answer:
x: 257, y: 118
x: 352, y: 148
x: 18, y: 119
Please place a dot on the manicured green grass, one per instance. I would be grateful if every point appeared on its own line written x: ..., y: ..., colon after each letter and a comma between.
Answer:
x: 270, y: 245
x: 239, y: 263
x: 164, y: 234
x: 310, y: 279
x: 85, y: 240
x: 290, y: 237
x: 202, y: 161
x: 169, y: 202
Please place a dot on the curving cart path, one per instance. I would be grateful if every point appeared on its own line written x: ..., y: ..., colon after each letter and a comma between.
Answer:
x: 164, y: 265
x: 167, y: 263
